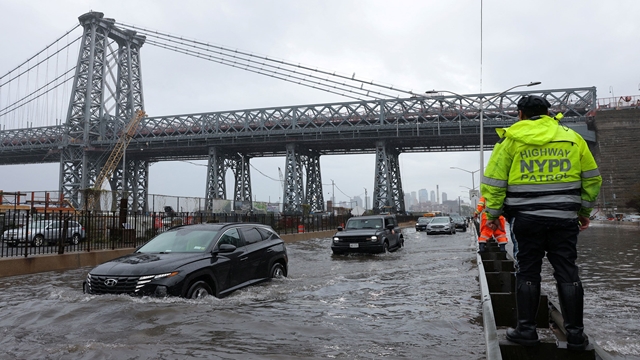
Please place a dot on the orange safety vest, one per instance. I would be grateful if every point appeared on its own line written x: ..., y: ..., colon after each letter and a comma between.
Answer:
x: 485, y: 232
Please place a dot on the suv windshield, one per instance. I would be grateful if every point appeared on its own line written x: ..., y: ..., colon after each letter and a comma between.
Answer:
x: 181, y: 240
x: 364, y: 224
x: 424, y: 220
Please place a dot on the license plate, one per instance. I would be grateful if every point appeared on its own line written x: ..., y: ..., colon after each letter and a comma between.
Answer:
x: 354, y: 245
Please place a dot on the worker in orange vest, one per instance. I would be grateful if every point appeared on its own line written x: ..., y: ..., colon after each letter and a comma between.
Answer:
x: 487, y: 232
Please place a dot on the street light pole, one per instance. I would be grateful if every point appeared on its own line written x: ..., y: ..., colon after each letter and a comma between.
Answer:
x: 481, y: 103
x: 473, y: 186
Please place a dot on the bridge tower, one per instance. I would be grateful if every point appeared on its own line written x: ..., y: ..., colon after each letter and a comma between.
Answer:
x: 313, y: 196
x: 88, y: 119
x: 387, y: 192
x: 295, y: 195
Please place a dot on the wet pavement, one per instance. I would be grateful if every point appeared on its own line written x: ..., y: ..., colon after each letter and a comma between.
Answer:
x: 421, y: 302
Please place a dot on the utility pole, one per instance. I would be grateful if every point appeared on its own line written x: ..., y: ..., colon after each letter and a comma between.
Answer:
x: 365, y: 199
x: 333, y: 193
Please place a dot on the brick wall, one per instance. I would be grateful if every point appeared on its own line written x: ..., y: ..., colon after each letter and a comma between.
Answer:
x: 617, y: 153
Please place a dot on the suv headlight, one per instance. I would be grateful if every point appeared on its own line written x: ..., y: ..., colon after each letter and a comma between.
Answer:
x: 373, y: 238
x: 336, y: 239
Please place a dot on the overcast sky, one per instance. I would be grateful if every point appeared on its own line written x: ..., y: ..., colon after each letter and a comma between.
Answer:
x: 415, y: 45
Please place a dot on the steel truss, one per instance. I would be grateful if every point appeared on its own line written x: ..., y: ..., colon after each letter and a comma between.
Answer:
x: 219, y: 163
x: 314, y: 196
x: 387, y: 191
x: 293, y: 189
x: 80, y: 161
x: 240, y: 166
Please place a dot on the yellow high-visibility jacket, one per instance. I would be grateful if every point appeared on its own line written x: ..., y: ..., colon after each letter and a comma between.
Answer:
x: 540, y: 168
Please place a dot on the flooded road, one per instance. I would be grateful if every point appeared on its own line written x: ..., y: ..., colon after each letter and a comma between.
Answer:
x: 609, y: 260
x: 419, y: 302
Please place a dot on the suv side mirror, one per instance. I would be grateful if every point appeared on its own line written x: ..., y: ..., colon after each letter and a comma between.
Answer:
x: 226, y: 248
x: 390, y: 226
x: 340, y: 228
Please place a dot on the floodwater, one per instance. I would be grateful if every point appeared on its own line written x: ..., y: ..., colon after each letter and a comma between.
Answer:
x: 609, y: 260
x: 421, y: 302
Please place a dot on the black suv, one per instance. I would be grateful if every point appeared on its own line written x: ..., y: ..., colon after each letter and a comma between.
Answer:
x: 194, y: 261
x: 460, y: 222
x: 368, y: 234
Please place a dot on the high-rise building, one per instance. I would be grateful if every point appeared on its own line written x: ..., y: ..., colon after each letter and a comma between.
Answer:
x: 414, y: 198
x: 433, y: 197
x: 423, y: 195
x: 444, y: 197
x: 408, y: 201
x: 357, y: 201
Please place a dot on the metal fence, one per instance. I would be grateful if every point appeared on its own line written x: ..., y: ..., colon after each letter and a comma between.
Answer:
x: 31, y: 232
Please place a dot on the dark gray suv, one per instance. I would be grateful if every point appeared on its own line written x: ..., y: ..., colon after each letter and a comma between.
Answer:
x: 368, y: 234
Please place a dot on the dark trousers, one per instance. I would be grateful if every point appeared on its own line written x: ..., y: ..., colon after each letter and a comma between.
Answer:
x: 534, y: 236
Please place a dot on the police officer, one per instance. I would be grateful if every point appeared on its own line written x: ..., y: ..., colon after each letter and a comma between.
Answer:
x: 544, y: 179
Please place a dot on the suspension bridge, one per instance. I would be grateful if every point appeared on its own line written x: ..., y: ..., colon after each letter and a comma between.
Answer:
x: 76, y: 114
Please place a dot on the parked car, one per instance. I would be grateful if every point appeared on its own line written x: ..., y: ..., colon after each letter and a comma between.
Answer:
x: 368, y: 234
x: 39, y: 232
x: 441, y: 225
x: 194, y: 261
x: 460, y: 222
x: 421, y: 224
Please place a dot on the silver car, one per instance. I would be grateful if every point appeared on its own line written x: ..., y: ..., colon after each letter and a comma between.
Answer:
x: 39, y: 232
x: 441, y: 225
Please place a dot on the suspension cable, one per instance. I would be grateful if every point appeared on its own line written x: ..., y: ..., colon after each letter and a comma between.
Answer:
x: 244, y: 67
x: 39, y: 63
x: 265, y: 58
x: 43, y: 50
x: 17, y: 104
x: 349, y: 87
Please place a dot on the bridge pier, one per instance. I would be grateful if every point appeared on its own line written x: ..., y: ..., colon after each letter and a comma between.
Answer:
x: 387, y: 192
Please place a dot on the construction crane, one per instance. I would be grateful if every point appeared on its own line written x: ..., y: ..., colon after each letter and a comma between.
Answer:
x: 116, y: 155
x: 281, y: 181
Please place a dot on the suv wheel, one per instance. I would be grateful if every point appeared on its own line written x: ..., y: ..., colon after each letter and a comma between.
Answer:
x: 385, y: 247
x: 277, y: 271
x: 199, y: 290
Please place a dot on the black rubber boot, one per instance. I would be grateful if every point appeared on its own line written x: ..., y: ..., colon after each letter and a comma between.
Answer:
x: 481, y: 247
x: 527, y: 300
x: 503, y: 248
x: 571, y: 296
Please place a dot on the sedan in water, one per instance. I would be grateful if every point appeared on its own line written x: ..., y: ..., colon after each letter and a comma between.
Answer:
x: 421, y: 224
x: 441, y: 225
x: 194, y: 261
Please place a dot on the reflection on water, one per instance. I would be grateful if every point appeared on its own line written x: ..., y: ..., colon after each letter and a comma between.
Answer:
x: 608, y: 257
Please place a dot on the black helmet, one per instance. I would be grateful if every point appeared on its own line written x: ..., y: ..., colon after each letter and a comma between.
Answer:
x: 533, y: 102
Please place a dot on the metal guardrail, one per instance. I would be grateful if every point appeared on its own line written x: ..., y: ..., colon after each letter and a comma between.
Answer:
x: 488, y: 317
x: 114, y: 230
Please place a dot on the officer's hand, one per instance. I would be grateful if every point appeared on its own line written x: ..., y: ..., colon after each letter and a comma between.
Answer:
x: 494, y: 224
x: 584, y: 222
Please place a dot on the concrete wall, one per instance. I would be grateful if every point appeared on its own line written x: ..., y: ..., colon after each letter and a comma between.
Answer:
x: 617, y: 152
